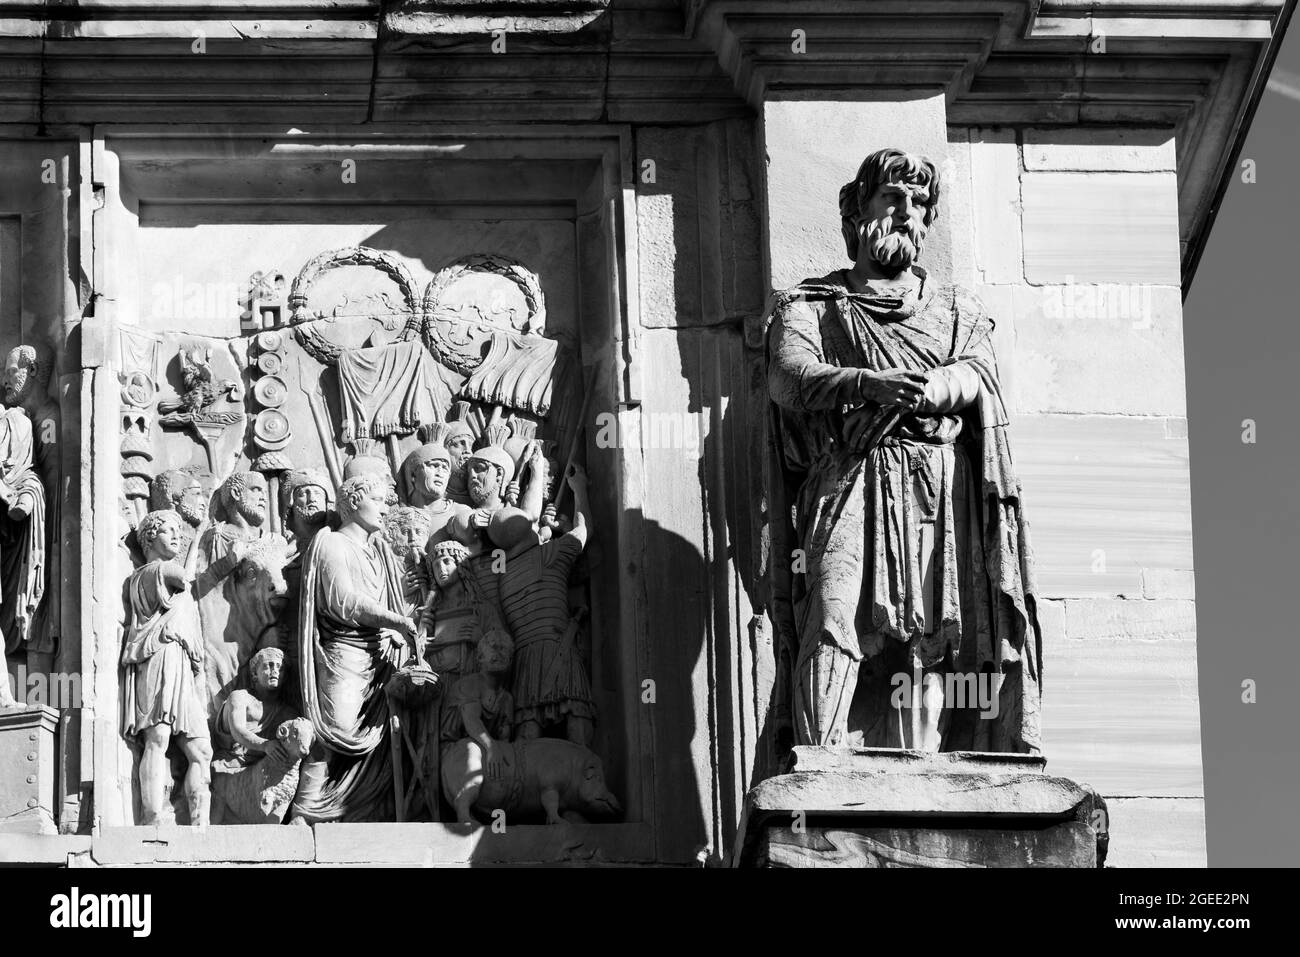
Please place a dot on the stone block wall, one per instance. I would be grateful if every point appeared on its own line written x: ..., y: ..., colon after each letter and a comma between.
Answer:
x: 1075, y: 240
x: 1071, y: 238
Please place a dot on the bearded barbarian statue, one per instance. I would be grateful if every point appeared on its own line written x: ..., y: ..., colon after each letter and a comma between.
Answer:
x: 900, y: 555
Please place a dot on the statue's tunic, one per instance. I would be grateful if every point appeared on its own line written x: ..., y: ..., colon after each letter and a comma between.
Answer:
x: 914, y: 552
x: 550, y: 680
x: 22, y: 541
x: 496, y: 709
x: 162, y: 653
x: 343, y: 695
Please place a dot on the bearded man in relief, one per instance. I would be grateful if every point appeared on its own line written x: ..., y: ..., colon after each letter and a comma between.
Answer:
x: 900, y: 557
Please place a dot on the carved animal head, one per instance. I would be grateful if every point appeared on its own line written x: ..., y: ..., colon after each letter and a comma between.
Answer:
x: 593, y: 794
x: 257, y: 589
x: 297, y: 736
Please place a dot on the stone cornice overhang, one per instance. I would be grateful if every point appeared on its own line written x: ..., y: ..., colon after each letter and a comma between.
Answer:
x: 1195, y: 67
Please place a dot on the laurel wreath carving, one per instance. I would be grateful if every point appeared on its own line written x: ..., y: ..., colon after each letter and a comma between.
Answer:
x: 510, y: 269
x: 307, y: 327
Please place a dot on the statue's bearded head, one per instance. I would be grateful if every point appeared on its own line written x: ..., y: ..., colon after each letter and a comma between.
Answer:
x: 304, y: 501
x: 489, y: 470
x: 888, y: 209
x: 179, y: 490
x: 245, y: 495
x: 407, y: 530
x: 21, y: 375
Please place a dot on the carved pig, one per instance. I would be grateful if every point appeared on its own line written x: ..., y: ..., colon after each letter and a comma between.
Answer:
x: 544, y: 775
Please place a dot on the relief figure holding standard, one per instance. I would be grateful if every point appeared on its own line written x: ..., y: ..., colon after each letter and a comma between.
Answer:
x: 900, y: 556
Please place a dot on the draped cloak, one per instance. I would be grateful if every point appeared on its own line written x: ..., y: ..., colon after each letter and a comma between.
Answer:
x: 342, y: 673
x: 22, y: 541
x: 162, y: 653
x: 847, y: 479
x: 390, y: 389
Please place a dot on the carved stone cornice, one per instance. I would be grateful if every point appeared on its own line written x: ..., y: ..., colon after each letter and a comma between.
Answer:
x: 1190, y: 65
x: 1193, y: 66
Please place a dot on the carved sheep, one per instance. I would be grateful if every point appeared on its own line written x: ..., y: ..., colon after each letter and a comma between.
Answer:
x: 261, y: 793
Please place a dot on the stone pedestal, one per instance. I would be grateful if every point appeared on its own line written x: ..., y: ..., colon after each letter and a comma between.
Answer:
x: 885, y: 808
x: 27, y: 770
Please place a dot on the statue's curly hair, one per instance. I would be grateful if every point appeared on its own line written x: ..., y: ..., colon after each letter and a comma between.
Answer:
x: 152, y: 524
x: 884, y: 166
x: 237, y: 483
x: 352, y: 491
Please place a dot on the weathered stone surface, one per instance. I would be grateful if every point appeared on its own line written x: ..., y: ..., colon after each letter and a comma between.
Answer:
x: 1071, y: 844
x: 882, y: 808
x: 454, y: 844
x: 1109, y: 348
x: 953, y: 793
x: 1168, y: 583
x: 959, y: 204
x: 1146, y: 740
x: 27, y: 769
x: 1101, y: 150
x: 807, y: 757
x: 995, y: 167
x: 1101, y: 227
x: 1156, y: 832
x: 1106, y: 496
x: 999, y: 301
x: 256, y: 843
x: 18, y: 848
x: 1160, y: 618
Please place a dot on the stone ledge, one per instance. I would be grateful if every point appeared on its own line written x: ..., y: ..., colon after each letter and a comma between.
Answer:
x: 42, y: 848
x: 217, y: 844
x: 463, y: 844
x: 891, y: 808
x: 963, y: 794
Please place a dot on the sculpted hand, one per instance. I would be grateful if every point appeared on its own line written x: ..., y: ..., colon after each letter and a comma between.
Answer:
x: 897, y: 387
x: 275, y: 751
x: 577, y: 478
x: 480, y: 518
x: 512, y: 493
x: 416, y: 580
x: 495, y: 761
